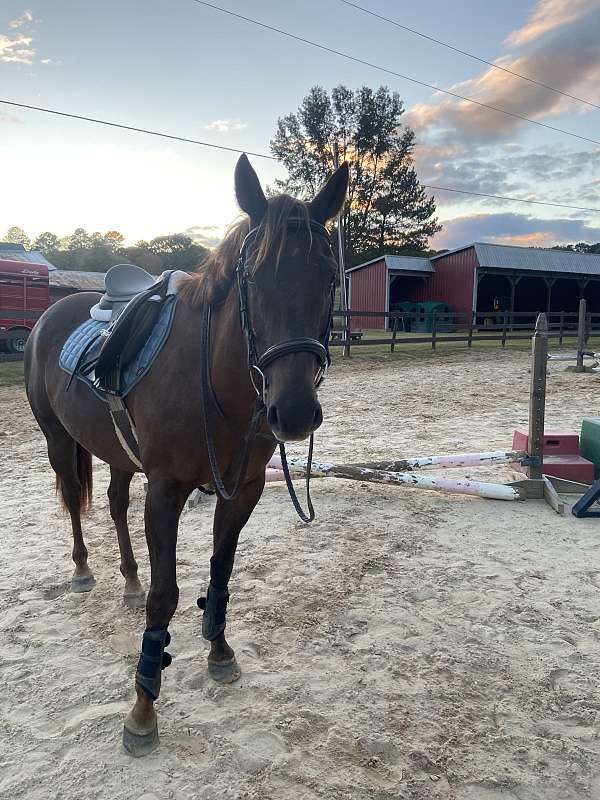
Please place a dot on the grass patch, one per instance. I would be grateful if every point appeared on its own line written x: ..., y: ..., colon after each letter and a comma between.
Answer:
x: 404, y: 346
x: 11, y: 373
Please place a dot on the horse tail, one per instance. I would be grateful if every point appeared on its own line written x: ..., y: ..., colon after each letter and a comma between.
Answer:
x: 83, y: 464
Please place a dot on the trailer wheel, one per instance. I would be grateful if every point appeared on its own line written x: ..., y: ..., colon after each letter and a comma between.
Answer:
x: 17, y: 341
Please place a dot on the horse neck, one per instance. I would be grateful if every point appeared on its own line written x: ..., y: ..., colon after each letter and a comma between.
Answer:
x: 229, y: 364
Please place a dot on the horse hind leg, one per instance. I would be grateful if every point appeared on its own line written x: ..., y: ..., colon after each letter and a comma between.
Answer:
x: 73, y: 467
x: 134, y: 595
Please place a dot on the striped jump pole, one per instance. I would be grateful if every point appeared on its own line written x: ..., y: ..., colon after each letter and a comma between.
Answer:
x: 298, y: 466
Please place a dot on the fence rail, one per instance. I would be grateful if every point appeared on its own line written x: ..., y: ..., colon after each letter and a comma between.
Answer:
x: 434, y: 327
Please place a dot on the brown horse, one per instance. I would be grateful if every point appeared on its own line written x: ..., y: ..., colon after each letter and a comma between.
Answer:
x: 285, y: 269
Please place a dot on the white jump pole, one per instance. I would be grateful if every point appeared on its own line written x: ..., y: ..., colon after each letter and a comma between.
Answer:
x: 298, y: 466
x: 451, y: 460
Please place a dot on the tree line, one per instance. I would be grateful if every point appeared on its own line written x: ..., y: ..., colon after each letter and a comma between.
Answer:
x: 96, y: 252
x: 387, y: 210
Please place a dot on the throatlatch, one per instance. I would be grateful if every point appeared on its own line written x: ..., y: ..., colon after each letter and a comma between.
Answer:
x: 153, y: 659
x: 214, y: 606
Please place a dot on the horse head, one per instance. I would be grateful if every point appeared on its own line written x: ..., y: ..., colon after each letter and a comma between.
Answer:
x: 286, y: 277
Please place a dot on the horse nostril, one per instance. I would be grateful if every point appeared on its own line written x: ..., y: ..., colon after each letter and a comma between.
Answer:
x: 272, y: 416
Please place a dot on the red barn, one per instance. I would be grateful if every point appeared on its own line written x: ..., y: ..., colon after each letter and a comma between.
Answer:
x: 479, y: 277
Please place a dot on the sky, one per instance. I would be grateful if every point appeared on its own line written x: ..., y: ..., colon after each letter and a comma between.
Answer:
x: 180, y: 67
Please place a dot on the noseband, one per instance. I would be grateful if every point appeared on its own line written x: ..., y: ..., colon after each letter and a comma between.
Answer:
x: 257, y: 364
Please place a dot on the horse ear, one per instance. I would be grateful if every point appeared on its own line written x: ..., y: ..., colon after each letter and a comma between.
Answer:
x: 330, y: 199
x: 248, y: 191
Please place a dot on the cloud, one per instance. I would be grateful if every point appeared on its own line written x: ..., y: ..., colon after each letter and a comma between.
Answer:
x: 551, y: 173
x: 569, y: 60
x: 16, y: 49
x: 511, y: 228
x: 547, y: 16
x: 225, y: 125
x: 206, y: 235
x: 8, y: 118
x: 24, y: 19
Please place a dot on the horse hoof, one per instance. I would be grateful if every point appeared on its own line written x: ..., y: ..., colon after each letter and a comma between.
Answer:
x: 82, y: 583
x: 139, y: 744
x: 224, y: 671
x: 135, y: 600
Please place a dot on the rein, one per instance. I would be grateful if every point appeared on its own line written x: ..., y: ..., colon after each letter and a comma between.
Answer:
x: 257, y: 363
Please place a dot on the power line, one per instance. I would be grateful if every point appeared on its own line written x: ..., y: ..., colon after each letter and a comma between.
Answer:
x: 187, y: 140
x: 392, y: 72
x: 133, y: 128
x: 513, y: 199
x: 469, y: 55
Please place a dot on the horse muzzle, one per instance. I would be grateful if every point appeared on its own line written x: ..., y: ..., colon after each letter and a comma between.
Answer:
x: 292, y: 418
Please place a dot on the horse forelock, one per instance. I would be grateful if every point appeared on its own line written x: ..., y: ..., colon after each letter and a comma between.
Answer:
x: 215, y: 275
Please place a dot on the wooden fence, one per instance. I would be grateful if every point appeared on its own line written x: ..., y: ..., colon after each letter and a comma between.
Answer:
x: 403, y: 328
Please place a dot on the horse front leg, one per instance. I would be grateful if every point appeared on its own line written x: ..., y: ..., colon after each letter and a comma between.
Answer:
x: 230, y: 517
x: 164, y: 502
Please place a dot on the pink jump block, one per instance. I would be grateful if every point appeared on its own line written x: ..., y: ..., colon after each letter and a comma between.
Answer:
x: 561, y: 457
x: 556, y: 442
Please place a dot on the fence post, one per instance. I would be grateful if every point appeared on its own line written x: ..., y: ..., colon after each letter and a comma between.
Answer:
x: 347, y: 334
x: 394, y: 333
x: 560, y: 330
x: 433, y: 329
x: 504, y: 324
x: 580, y: 336
x: 471, y: 320
x: 537, y: 397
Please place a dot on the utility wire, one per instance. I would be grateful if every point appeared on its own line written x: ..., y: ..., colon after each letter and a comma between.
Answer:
x: 469, y: 55
x: 132, y: 128
x: 187, y: 140
x: 514, y: 199
x: 392, y: 72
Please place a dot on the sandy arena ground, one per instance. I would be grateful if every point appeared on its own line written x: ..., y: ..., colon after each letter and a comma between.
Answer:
x: 408, y: 644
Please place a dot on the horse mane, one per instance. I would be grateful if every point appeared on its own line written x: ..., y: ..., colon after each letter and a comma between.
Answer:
x: 211, y: 283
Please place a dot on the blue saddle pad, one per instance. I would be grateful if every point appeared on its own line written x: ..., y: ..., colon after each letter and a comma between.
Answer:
x: 88, y: 337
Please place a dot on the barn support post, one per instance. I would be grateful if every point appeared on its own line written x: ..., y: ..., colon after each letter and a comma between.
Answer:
x: 581, y: 335
x: 433, y: 329
x: 549, y: 285
x: 471, y: 324
x: 513, y: 280
x: 561, y: 328
x: 504, y: 326
x: 395, y: 322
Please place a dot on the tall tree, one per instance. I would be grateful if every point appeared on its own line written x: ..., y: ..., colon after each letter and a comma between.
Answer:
x: 80, y: 240
x: 16, y: 235
x: 387, y: 208
x: 47, y: 243
x: 114, y: 239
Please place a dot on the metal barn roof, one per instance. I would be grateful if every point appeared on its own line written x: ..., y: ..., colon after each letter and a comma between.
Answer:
x: 16, y: 252
x: 530, y: 258
x: 533, y: 259
x: 74, y: 279
x: 404, y: 263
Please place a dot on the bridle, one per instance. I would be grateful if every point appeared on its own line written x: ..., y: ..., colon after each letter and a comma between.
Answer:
x: 257, y: 364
